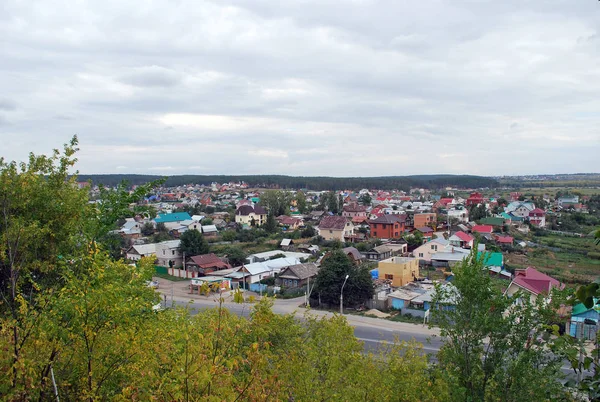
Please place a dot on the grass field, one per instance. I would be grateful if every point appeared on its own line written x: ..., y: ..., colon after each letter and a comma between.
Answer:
x: 571, y: 259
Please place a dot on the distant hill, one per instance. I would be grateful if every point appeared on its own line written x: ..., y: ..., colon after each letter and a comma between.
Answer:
x: 311, y: 183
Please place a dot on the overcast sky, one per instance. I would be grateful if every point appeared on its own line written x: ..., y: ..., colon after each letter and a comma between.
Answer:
x: 326, y: 87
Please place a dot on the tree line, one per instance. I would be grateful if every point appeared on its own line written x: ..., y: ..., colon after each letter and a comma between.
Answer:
x: 319, y: 183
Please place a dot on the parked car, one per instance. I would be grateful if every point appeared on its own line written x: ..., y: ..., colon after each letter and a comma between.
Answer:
x: 153, y: 284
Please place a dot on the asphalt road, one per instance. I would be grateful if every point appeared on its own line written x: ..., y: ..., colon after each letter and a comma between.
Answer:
x: 373, y: 332
x: 376, y: 334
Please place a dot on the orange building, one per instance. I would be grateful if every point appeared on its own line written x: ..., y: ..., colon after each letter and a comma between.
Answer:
x: 425, y: 219
x: 388, y: 226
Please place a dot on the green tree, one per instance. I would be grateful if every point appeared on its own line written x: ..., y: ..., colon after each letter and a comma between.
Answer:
x: 193, y: 243
x: 207, y: 221
x: 236, y: 256
x: 309, y: 231
x: 276, y: 202
x: 365, y: 199
x: 161, y: 228
x: 270, y: 225
x: 497, y: 347
x: 301, y: 202
x: 147, y: 229
x: 228, y: 235
x: 334, y: 268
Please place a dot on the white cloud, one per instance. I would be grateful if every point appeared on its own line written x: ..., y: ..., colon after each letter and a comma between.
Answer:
x: 304, y: 88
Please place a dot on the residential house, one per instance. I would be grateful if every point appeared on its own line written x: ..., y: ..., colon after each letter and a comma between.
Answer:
x: 378, y: 253
x: 461, y: 239
x: 257, y: 271
x: 136, y: 252
x: 335, y: 227
x: 251, y: 216
x: 520, y: 208
x: 268, y: 255
x: 449, y: 257
x: 533, y: 283
x: 387, y: 226
x: 210, y: 230
x: 474, y: 199
x: 204, y: 264
x: 494, y: 221
x: 400, y: 270
x: 483, y: 229
x: 131, y: 228
x: 584, y: 321
x: 169, y: 254
x: 504, y: 240
x: 459, y: 215
x: 426, y: 231
x: 537, y: 217
x: 424, y: 219
x: 289, y: 222
x: 425, y: 251
x: 354, y: 210
x: 298, y: 275
x: 354, y: 254
x: 444, y: 203
x: 568, y: 202
x: 494, y: 262
x: 173, y: 220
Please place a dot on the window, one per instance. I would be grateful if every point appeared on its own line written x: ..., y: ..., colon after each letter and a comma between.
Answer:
x: 164, y: 252
x: 375, y: 234
x: 420, y: 254
x: 172, y: 252
x: 331, y: 231
x: 389, y: 276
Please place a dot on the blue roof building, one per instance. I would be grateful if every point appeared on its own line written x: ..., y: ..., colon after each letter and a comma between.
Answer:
x: 173, y: 217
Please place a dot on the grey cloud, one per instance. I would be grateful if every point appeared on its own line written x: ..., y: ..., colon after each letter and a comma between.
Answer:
x: 151, y: 76
x: 7, y: 104
x: 324, y: 83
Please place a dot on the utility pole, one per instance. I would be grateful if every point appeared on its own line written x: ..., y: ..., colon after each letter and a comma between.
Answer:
x: 342, y: 295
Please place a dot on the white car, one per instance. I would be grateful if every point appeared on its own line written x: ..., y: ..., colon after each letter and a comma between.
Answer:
x: 153, y: 284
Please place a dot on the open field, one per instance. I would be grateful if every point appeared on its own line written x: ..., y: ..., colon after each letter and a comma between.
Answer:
x: 568, y: 259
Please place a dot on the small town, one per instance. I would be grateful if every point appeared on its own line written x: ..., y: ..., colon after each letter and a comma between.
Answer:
x: 300, y: 201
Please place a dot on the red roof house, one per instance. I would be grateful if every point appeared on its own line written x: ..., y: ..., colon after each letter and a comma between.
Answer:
x: 504, y: 240
x: 482, y: 229
x: 474, y: 199
x: 532, y: 282
x: 205, y: 263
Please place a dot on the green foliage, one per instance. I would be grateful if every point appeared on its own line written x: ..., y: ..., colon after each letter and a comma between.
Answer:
x: 309, y: 231
x: 270, y: 225
x: 193, y: 243
x: 477, y: 212
x: 334, y: 268
x: 228, y: 235
x: 236, y: 256
x: 207, y: 221
x: 147, y: 229
x: 301, y: 202
x: 497, y: 347
x: 365, y: 199
x: 117, y: 203
x: 276, y: 202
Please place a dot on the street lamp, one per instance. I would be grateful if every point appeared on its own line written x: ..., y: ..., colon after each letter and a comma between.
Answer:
x: 342, y: 295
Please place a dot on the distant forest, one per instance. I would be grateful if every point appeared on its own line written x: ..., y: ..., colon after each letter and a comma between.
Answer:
x: 405, y: 183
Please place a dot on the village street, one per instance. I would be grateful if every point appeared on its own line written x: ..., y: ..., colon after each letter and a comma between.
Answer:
x: 374, y: 332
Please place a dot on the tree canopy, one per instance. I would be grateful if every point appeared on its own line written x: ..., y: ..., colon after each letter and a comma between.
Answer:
x: 193, y: 243
x: 334, y: 268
